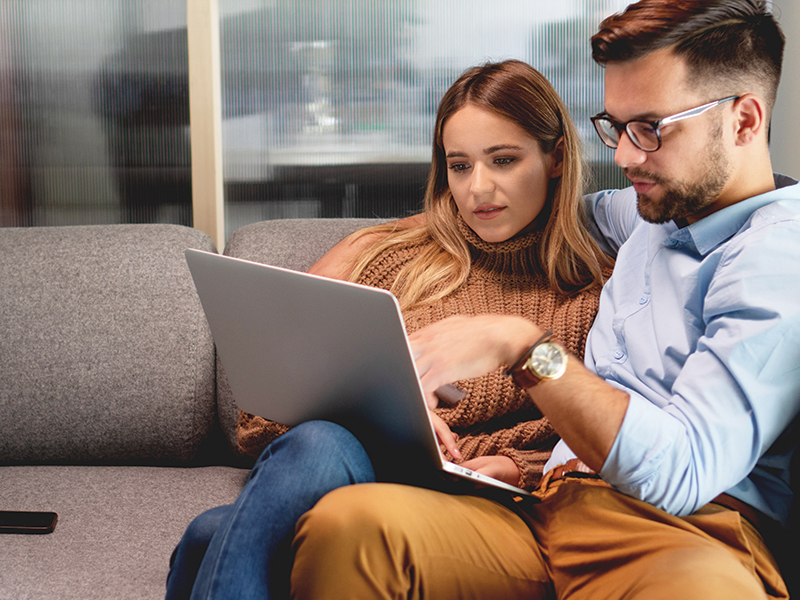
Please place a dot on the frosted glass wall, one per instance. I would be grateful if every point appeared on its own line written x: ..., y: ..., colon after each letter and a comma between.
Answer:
x: 93, y: 112
x: 329, y: 106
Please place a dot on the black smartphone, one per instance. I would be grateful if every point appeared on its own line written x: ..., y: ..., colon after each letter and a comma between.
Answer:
x: 16, y: 521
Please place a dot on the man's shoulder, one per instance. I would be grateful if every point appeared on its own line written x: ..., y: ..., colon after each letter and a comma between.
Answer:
x: 612, y: 217
x: 757, y: 217
x: 782, y: 212
x: 768, y: 240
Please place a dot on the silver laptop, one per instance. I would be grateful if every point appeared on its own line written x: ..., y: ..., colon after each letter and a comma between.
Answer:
x: 296, y: 347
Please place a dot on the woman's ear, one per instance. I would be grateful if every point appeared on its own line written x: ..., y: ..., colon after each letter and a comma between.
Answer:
x: 557, y: 159
x: 750, y: 122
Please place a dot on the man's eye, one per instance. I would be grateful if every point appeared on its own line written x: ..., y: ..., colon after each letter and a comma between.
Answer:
x: 643, y: 128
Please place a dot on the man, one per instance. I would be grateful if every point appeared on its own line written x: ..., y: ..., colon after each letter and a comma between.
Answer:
x: 677, y: 436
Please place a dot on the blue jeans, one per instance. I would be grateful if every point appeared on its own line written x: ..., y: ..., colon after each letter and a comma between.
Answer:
x: 242, y: 550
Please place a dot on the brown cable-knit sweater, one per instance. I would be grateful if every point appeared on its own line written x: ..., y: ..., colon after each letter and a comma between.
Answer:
x: 495, y: 417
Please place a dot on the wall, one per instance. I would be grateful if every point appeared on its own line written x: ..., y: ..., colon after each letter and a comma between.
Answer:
x: 785, y: 146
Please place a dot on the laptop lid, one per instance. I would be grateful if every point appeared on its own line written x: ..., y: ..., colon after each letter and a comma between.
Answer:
x: 297, y: 347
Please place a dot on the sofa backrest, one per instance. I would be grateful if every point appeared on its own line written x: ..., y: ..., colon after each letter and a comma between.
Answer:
x: 293, y: 244
x: 105, y: 352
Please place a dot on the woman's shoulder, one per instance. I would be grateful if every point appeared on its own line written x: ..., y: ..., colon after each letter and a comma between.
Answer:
x: 338, y: 262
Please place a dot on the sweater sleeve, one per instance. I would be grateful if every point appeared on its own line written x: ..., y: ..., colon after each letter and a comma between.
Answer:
x: 254, y: 433
x: 530, y: 464
x: 528, y: 444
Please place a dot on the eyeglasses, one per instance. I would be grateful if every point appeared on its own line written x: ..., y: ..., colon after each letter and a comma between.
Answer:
x: 646, y: 135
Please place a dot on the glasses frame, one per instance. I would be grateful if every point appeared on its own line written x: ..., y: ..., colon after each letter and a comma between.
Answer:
x: 656, y: 125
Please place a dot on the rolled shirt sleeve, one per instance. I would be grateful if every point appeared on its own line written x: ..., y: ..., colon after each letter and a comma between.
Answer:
x: 701, y: 326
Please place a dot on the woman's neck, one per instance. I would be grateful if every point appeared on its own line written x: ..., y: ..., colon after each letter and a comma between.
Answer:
x: 517, y: 257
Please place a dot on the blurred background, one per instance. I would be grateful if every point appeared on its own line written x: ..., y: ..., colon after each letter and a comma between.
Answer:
x: 327, y: 106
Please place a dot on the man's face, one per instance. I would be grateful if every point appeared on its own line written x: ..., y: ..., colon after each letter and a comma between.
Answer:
x: 687, y: 176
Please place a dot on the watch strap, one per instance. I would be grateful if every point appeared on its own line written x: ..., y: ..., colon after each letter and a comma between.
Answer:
x: 519, y: 372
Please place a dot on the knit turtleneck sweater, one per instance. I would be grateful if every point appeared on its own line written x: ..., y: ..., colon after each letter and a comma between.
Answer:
x: 494, y: 417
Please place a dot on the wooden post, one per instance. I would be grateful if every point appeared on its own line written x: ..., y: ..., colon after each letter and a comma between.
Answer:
x: 205, y: 114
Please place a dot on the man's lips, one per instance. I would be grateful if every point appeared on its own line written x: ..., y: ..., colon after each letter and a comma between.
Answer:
x: 488, y: 211
x: 642, y: 182
x: 641, y: 186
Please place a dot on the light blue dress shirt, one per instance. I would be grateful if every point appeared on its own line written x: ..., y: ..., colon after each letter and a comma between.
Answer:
x: 701, y: 327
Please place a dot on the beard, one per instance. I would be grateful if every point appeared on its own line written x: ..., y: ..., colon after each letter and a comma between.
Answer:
x: 683, y: 199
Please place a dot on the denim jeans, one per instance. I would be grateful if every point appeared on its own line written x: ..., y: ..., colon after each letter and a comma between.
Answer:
x: 242, y: 550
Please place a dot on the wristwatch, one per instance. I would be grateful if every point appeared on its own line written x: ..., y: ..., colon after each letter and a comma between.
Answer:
x: 545, y: 360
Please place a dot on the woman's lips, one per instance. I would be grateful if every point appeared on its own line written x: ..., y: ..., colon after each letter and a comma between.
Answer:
x: 488, y: 212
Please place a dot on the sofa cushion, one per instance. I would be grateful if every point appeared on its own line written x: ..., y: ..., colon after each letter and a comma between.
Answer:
x: 117, y: 527
x: 106, y: 355
x: 292, y: 244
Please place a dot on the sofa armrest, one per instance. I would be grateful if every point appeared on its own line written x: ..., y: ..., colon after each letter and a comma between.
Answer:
x: 106, y: 353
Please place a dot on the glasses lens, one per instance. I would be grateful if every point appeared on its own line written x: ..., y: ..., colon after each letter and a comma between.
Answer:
x: 607, y: 132
x: 643, y: 135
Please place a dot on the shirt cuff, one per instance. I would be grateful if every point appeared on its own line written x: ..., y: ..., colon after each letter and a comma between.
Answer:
x: 640, y: 451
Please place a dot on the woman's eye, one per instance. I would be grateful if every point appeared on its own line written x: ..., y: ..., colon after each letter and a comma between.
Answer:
x: 458, y: 167
x: 504, y: 161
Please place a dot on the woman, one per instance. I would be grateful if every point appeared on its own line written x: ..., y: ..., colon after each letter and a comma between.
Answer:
x: 502, y: 232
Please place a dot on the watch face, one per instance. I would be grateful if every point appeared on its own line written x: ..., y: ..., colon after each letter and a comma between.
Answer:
x: 548, y: 360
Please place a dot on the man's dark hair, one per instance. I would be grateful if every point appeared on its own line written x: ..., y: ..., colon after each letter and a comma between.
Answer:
x: 730, y: 44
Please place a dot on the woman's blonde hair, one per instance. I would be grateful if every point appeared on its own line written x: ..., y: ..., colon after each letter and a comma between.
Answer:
x: 567, y: 253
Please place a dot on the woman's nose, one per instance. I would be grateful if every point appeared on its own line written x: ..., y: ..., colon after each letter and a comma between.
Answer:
x: 482, y: 181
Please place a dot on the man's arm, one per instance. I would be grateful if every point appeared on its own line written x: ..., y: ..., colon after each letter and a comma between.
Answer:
x: 681, y: 427
x: 612, y: 216
x: 586, y: 411
x: 709, y: 418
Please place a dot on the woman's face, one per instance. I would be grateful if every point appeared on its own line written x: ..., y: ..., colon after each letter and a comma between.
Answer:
x: 496, y: 172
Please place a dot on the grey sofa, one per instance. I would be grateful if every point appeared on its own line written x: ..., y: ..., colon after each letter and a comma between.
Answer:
x: 113, y: 410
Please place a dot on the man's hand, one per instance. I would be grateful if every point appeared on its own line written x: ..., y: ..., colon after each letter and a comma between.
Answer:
x: 499, y: 467
x: 464, y: 347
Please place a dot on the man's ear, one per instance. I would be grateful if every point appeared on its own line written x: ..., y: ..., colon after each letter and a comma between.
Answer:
x: 557, y: 159
x: 750, y: 119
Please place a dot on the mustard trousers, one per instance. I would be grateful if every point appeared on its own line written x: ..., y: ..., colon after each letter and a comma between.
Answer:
x: 583, y: 540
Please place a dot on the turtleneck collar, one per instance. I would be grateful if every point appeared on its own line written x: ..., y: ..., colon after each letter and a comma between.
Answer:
x: 516, y: 257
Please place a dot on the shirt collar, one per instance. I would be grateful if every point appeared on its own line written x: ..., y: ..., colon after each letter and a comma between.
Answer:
x: 710, y: 232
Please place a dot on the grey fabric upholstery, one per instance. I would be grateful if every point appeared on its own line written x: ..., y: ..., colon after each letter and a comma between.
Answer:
x: 292, y: 244
x: 108, y: 387
x: 105, y: 352
x: 116, y: 530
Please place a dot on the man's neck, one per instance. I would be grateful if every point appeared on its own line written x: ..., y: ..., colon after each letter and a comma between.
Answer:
x: 748, y: 180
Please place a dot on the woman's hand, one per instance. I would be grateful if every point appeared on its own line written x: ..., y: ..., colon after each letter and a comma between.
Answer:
x: 499, y: 467
x: 463, y: 347
x: 446, y: 437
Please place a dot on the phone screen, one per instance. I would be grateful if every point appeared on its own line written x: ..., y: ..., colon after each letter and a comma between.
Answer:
x: 13, y: 521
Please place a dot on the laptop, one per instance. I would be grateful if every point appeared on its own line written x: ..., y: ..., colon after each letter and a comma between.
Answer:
x: 297, y: 347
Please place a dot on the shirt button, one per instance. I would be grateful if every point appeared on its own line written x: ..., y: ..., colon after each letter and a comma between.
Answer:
x: 643, y: 300
x: 619, y: 354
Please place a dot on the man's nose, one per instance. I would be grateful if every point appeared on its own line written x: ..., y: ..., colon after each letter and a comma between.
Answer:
x: 627, y: 153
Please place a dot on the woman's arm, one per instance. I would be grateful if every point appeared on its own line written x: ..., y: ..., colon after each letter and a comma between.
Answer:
x: 338, y: 262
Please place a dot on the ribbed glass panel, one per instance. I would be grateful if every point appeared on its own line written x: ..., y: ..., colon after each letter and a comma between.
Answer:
x: 93, y: 112
x: 329, y: 105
